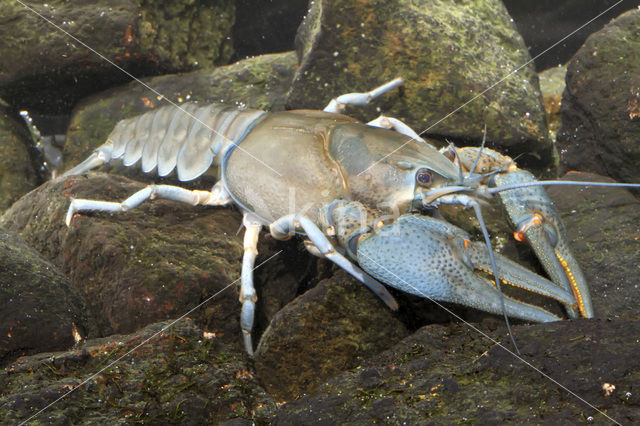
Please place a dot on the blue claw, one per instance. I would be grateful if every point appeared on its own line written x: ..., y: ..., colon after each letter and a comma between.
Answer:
x: 431, y: 258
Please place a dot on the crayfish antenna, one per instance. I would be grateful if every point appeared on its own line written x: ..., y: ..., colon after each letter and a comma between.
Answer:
x: 487, y: 240
x: 472, y: 171
x: 461, y: 175
x: 497, y: 189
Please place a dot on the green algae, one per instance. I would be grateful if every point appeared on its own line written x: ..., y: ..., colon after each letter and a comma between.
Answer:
x: 179, y: 34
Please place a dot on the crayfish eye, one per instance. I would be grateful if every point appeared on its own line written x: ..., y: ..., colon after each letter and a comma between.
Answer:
x: 423, y: 177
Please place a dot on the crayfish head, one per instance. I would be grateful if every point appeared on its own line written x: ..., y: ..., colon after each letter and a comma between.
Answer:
x: 380, y: 166
x: 474, y: 168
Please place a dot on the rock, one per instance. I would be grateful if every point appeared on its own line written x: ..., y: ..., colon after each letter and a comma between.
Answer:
x: 18, y: 174
x: 448, y: 53
x: 328, y: 329
x: 156, y: 262
x: 45, y: 70
x: 165, y: 373
x: 601, y: 104
x: 259, y: 82
x: 39, y: 310
x: 604, y: 230
x: 450, y: 375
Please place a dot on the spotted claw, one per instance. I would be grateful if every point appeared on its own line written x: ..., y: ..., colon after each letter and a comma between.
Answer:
x: 431, y: 258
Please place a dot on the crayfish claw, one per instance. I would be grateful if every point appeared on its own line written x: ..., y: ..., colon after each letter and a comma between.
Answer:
x: 536, y: 222
x: 433, y: 259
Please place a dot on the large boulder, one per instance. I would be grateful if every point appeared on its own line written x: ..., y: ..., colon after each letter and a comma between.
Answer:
x: 157, y: 262
x: 328, y: 329
x: 601, y: 104
x: 567, y: 372
x: 462, y: 63
x: 39, y: 309
x: 48, y: 51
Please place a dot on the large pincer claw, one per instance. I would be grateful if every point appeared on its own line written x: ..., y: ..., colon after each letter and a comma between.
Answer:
x: 535, y: 221
x: 436, y: 260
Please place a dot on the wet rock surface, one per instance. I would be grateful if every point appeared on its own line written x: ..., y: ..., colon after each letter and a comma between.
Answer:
x: 134, y: 269
x: 164, y: 375
x: 347, y: 46
x: 601, y: 104
x: 143, y: 37
x: 328, y: 329
x: 39, y: 309
x: 259, y: 82
x: 604, y: 230
x: 449, y: 374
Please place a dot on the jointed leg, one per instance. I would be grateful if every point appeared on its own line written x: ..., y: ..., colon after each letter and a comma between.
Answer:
x: 286, y: 225
x: 360, y: 99
x: 395, y: 124
x: 248, y: 295
x: 216, y: 197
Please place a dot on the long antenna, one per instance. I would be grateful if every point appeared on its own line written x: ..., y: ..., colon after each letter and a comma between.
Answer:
x: 487, y: 240
x: 477, y: 160
x: 562, y: 182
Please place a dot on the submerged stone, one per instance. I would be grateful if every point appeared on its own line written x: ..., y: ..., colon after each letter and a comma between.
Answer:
x: 39, y: 309
x: 458, y: 60
x: 601, y: 104
x: 45, y: 70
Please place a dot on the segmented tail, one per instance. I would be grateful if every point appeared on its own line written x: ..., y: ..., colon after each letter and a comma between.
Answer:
x: 189, y: 138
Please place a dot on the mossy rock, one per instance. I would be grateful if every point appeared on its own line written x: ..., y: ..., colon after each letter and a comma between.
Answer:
x: 456, y: 58
x: 601, y: 104
x: 43, y: 70
x: 453, y: 375
x: 326, y: 330
x: 156, y: 262
x: 166, y: 373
